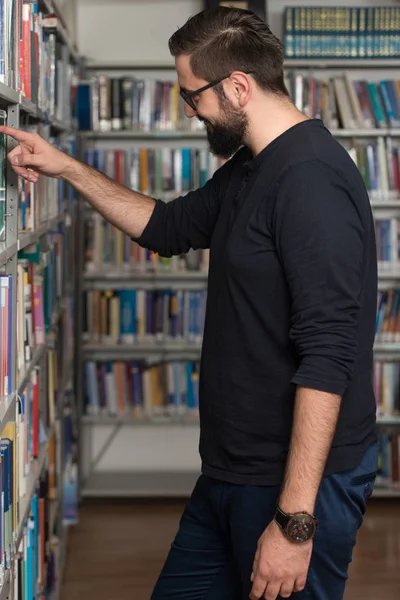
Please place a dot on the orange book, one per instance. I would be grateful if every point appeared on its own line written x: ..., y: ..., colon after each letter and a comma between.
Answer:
x: 144, y: 170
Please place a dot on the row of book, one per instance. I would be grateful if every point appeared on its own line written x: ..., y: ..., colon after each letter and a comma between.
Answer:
x: 107, y: 248
x: 114, y: 103
x: 33, y: 60
x: 20, y: 446
x: 142, y: 390
x: 156, y: 171
x: 41, y: 296
x: 387, y: 242
x: 342, y: 103
x: 167, y: 172
x: 386, y: 381
x: 388, y: 316
x: 379, y: 165
x: 40, y: 202
x: 141, y: 316
x: 345, y: 103
x: 31, y: 490
x: 342, y: 32
x: 388, y: 474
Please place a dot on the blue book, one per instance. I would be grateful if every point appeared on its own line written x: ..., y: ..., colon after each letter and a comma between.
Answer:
x: 84, y: 106
x: 189, y: 387
x: 35, y: 539
x: 7, y: 515
x: 128, y: 315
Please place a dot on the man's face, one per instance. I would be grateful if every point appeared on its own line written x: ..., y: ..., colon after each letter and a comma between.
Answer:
x: 225, y: 123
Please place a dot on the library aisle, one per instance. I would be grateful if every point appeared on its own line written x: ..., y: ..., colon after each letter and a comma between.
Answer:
x: 118, y: 549
x: 100, y: 339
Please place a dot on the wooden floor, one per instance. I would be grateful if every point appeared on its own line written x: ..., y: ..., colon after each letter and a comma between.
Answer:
x: 117, y: 550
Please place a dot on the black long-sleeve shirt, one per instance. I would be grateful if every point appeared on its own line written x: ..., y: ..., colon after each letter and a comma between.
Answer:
x: 292, y: 294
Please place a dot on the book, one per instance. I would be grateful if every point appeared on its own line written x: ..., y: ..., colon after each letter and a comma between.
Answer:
x: 106, y: 103
x: 141, y: 389
x: 345, y: 102
x: 386, y: 380
x: 162, y: 172
x: 388, y: 474
x: 341, y: 32
x: 6, y: 350
x: 388, y: 316
x: 141, y: 316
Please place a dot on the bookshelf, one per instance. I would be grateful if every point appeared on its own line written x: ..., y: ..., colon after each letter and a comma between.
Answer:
x: 38, y: 225
x: 105, y: 435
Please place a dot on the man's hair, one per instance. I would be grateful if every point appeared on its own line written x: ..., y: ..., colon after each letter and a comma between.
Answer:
x: 222, y: 40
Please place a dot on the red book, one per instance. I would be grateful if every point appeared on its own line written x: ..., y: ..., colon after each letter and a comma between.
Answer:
x: 35, y: 415
x: 26, y: 48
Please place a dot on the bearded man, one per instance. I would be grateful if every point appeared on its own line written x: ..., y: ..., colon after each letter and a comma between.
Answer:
x: 288, y: 437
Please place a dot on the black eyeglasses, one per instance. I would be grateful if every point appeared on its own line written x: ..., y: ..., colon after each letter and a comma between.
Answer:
x: 187, y: 96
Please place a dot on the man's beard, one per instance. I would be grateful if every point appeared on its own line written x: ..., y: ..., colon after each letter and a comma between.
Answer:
x: 226, y: 137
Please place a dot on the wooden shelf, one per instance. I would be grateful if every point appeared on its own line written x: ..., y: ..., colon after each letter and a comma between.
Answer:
x: 125, y: 280
x: 392, y: 273
x: 130, y: 66
x: 350, y: 133
x: 173, y: 134
x: 289, y: 63
x: 341, y: 63
x: 190, y: 420
x: 387, y: 347
x: 126, y: 134
x: 155, y: 351
x: 385, y: 203
x: 109, y: 484
x: 393, y: 420
x: 380, y: 492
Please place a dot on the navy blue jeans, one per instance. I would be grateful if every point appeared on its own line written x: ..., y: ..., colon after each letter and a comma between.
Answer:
x: 211, y: 557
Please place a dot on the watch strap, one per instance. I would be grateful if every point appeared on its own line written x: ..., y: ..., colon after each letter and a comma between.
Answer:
x: 282, y: 518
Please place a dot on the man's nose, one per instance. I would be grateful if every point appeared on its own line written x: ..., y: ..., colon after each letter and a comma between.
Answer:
x: 189, y: 112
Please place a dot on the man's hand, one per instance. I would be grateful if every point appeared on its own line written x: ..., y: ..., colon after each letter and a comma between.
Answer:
x: 34, y: 156
x: 280, y: 566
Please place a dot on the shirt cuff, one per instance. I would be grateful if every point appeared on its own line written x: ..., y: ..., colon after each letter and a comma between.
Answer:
x: 153, y: 231
x: 330, y: 387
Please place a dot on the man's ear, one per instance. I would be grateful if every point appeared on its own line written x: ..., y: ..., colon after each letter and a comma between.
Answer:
x: 242, y: 87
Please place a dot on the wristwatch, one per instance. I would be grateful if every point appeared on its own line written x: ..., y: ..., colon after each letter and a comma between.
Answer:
x: 298, y: 527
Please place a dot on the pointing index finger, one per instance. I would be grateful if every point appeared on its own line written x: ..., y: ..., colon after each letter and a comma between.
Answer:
x: 17, y: 134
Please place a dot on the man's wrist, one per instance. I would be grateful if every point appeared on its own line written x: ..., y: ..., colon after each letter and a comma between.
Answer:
x: 295, y: 502
x: 71, y: 168
x: 297, y: 505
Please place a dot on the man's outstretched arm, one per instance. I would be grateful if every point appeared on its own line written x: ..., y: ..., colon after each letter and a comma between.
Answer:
x: 186, y: 222
x: 127, y: 210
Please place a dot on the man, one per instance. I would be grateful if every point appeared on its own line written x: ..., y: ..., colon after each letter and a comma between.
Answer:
x: 286, y: 408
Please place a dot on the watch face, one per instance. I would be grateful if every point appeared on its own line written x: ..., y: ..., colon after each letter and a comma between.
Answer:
x: 301, y: 528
